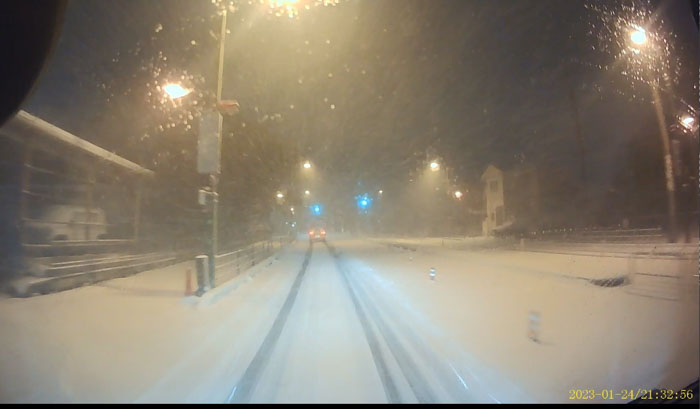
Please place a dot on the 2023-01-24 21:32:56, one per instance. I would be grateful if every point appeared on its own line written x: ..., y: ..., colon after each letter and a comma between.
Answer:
x: 630, y: 394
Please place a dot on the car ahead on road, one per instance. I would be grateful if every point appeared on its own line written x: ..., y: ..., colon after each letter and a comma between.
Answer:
x: 317, y: 234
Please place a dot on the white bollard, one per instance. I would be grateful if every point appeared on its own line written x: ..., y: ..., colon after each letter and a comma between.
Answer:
x: 533, y: 330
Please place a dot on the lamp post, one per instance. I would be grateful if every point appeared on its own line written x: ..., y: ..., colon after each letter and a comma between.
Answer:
x: 639, y: 38
x: 214, y: 176
x: 213, y: 167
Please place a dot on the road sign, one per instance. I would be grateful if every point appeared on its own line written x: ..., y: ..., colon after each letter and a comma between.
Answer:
x: 206, y: 198
x: 209, y: 143
x: 228, y: 106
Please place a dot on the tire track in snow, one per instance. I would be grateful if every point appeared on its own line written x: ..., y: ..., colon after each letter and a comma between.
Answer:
x: 243, y: 390
x: 418, y: 384
x: 436, y: 356
x: 449, y: 378
x: 390, y: 390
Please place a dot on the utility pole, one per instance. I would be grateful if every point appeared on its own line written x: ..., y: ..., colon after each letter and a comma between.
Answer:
x: 668, y: 164
x: 214, y: 176
x: 579, y: 134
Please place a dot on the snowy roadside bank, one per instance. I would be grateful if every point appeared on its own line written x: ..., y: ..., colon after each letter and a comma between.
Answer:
x: 660, y: 250
x: 135, y: 338
x: 590, y: 337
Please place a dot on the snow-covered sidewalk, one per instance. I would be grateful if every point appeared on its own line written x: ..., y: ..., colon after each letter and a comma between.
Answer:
x: 137, y: 338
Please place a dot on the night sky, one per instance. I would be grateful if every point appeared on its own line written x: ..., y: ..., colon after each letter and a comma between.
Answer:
x: 364, y: 88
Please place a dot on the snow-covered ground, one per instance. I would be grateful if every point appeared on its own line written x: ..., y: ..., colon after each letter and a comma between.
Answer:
x: 591, y: 337
x: 361, y: 323
x: 137, y: 338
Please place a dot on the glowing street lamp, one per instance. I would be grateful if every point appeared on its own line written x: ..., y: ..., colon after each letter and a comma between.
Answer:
x: 281, y: 7
x: 280, y: 195
x: 175, y: 91
x: 638, y: 36
x: 688, y: 121
x: 307, y: 165
x: 306, y: 193
x: 292, y: 8
x: 380, y: 192
x: 434, y: 166
x: 458, y: 194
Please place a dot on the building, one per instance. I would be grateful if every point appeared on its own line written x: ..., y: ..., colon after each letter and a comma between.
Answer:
x: 511, y: 199
x: 63, y: 195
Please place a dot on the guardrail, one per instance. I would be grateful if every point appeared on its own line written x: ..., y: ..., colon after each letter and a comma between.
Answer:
x: 611, y: 249
x: 57, y: 272
x: 230, y: 264
x: 613, y: 234
x: 658, y: 250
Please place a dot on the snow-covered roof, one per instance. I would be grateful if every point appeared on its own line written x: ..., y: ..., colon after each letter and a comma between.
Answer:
x: 24, y: 125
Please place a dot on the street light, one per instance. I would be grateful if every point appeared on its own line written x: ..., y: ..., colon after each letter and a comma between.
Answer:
x: 458, y: 194
x: 434, y: 166
x: 688, y: 121
x: 306, y: 192
x: 280, y: 195
x: 175, y: 91
x: 291, y: 8
x: 307, y: 165
x: 380, y: 192
x: 282, y: 7
x: 638, y: 35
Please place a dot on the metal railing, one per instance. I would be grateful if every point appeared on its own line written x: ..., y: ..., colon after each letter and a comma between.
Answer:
x: 231, y: 264
x: 605, y: 234
x: 63, y: 272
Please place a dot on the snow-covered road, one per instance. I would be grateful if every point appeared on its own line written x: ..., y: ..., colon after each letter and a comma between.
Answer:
x: 358, y: 321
